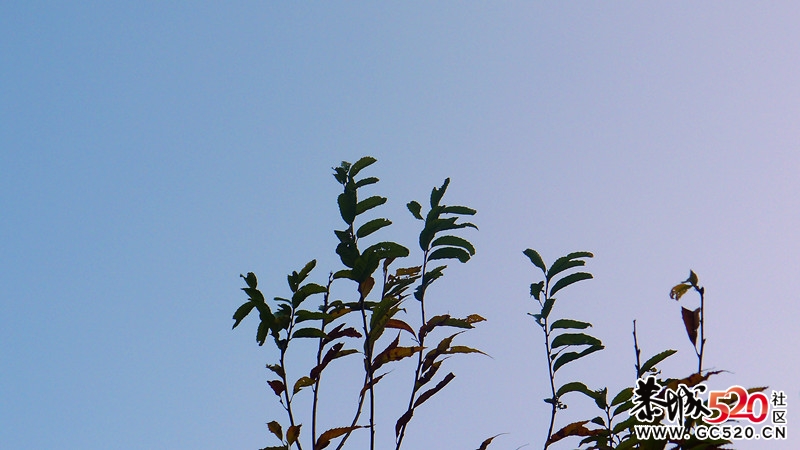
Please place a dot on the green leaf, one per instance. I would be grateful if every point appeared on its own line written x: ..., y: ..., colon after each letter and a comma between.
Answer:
x: 366, y: 181
x: 572, y: 356
x: 462, y: 210
x: 575, y: 386
x: 599, y: 421
x: 242, y: 312
x: 567, y: 262
x: 575, y: 339
x: 650, y: 363
x: 569, y: 323
x: 536, y: 289
x: 569, y: 279
x: 309, y: 333
x: 369, y: 203
x: 372, y: 226
x: 623, y: 407
x: 261, y: 334
x: 347, y: 206
x: 535, y: 259
x: 449, y: 253
x: 301, y: 383
x: 415, y: 208
x: 454, y: 241
x: 360, y: 164
x: 303, y: 315
x: 383, y: 250
x: 436, y: 194
x: 277, y: 369
x: 548, y: 306
x: 306, y: 270
x: 305, y: 291
x: 622, y: 397
x: 250, y: 279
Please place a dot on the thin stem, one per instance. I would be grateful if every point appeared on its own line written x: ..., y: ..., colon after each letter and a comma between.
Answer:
x: 321, y: 346
x: 368, y: 369
x: 702, y: 327
x: 286, y: 386
x: 419, y: 357
x: 550, y: 372
x: 637, y: 351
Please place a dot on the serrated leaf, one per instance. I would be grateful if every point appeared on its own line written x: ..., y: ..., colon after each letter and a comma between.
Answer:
x: 277, y: 387
x: 572, y: 356
x: 347, y: 206
x: 301, y: 383
x: 575, y: 386
x: 309, y: 333
x: 678, y: 290
x: 276, y: 429
x: 691, y: 320
x: 623, y: 396
x: 393, y: 353
x: 325, y: 438
x: 436, y: 194
x: 372, y: 226
x: 567, y: 262
x: 454, y: 241
x: 547, y: 307
x: 329, y: 356
x: 250, y: 279
x: 306, y: 291
x: 569, y: 279
x: 292, y: 434
x: 449, y: 253
x: 573, y: 429
x: 415, y: 208
x: 430, y: 392
x: 360, y: 164
x: 536, y: 259
x: 369, y: 203
x: 650, y: 363
x: 575, y: 339
x: 569, y: 323
x: 242, y: 312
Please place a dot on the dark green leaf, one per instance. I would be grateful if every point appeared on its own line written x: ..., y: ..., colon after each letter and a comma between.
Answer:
x: 303, y: 315
x: 436, y: 194
x: 650, y: 363
x: 575, y: 339
x: 305, y: 291
x: 536, y: 289
x: 535, y: 259
x: 569, y: 323
x: 454, y: 241
x: 306, y: 270
x: 623, y: 396
x: 242, y: 312
x: 415, y: 208
x: 599, y: 421
x: 277, y: 369
x: 250, y: 279
x: 567, y: 262
x: 569, y: 279
x: 366, y: 181
x: 462, y: 210
x: 309, y: 333
x: 369, y: 203
x: 548, y: 306
x: 623, y: 407
x: 372, y: 226
x: 348, y: 253
x: 383, y: 250
x: 261, y: 334
x: 301, y: 383
x: 449, y: 253
x: 576, y: 386
x: 360, y: 164
x: 572, y: 356
x: 347, y: 206
x: 254, y: 294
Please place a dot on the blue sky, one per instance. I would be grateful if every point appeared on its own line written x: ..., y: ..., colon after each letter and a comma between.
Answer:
x: 151, y: 153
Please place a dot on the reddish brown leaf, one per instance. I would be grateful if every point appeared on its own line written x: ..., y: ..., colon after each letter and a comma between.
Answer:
x: 399, y: 325
x: 402, y: 421
x: 330, y: 356
x: 325, y: 438
x: 368, y: 384
x: 276, y: 429
x: 277, y: 386
x: 691, y: 320
x: 573, y: 429
x: 340, y: 331
x: 292, y: 434
x: 366, y: 286
x: 691, y: 380
x: 485, y: 444
x: 430, y: 392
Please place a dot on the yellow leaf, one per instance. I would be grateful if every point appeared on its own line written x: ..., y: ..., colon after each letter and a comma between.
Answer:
x: 678, y: 291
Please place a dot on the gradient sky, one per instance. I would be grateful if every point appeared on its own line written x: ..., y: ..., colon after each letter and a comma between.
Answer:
x: 152, y: 152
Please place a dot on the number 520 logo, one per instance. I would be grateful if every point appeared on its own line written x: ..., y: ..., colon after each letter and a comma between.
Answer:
x: 737, y: 403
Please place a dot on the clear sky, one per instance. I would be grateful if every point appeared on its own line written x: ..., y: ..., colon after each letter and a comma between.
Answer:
x: 150, y: 152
